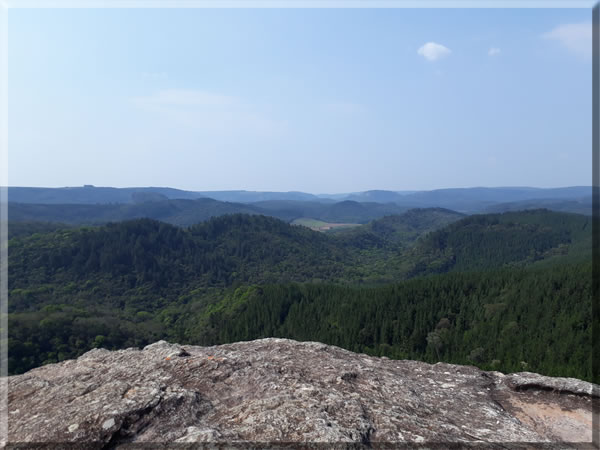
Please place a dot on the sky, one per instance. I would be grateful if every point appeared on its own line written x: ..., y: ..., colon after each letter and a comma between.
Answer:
x: 313, y: 100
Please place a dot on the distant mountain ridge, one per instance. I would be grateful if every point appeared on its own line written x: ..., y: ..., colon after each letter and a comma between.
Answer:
x: 466, y: 200
x: 578, y: 205
x: 90, y: 194
x: 183, y: 212
x: 93, y: 195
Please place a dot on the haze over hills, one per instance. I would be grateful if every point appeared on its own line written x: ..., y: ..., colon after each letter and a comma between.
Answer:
x: 468, y: 200
x: 90, y: 194
x: 189, y: 212
x: 175, y: 211
x: 479, y: 199
x: 581, y: 205
x: 91, y: 205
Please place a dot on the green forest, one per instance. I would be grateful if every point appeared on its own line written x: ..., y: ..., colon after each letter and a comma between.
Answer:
x: 506, y: 292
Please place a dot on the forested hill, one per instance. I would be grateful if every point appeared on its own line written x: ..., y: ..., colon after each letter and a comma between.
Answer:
x: 24, y: 229
x: 401, y: 229
x: 189, y: 212
x: 131, y: 283
x: 258, y: 249
x: 508, y: 320
x: 489, y: 241
x: 345, y: 211
x: 581, y: 205
x: 226, y: 249
x: 178, y: 212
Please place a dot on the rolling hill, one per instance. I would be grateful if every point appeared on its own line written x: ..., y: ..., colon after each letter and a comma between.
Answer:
x: 177, y: 212
x: 402, y: 229
x: 90, y: 194
x: 467, y: 200
x: 133, y: 282
x: 472, y: 200
x: 578, y: 206
x: 189, y: 212
x: 491, y: 241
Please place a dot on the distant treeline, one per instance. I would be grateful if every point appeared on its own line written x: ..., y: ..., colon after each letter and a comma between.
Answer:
x: 186, y: 212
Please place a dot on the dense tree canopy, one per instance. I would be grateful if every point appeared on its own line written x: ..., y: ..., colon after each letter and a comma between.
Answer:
x: 516, y: 295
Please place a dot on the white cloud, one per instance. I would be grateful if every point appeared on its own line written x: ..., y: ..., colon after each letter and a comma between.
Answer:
x: 493, y: 51
x: 576, y: 37
x: 433, y: 51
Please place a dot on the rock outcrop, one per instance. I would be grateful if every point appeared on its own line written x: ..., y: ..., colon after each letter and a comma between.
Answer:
x: 282, y: 391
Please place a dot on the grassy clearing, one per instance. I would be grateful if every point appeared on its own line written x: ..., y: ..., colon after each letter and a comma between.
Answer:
x: 319, y: 225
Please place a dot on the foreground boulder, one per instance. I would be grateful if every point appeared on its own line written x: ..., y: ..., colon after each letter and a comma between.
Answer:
x: 278, y: 390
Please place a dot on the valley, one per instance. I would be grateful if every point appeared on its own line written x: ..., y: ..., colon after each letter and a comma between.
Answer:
x: 428, y: 284
x: 319, y: 225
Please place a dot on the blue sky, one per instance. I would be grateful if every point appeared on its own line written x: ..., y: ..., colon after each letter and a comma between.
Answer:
x: 315, y: 100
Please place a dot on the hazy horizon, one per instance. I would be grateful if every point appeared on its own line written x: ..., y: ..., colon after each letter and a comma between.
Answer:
x: 306, y: 192
x: 308, y: 100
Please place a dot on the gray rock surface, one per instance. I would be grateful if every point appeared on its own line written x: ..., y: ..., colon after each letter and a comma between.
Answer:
x: 279, y: 390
